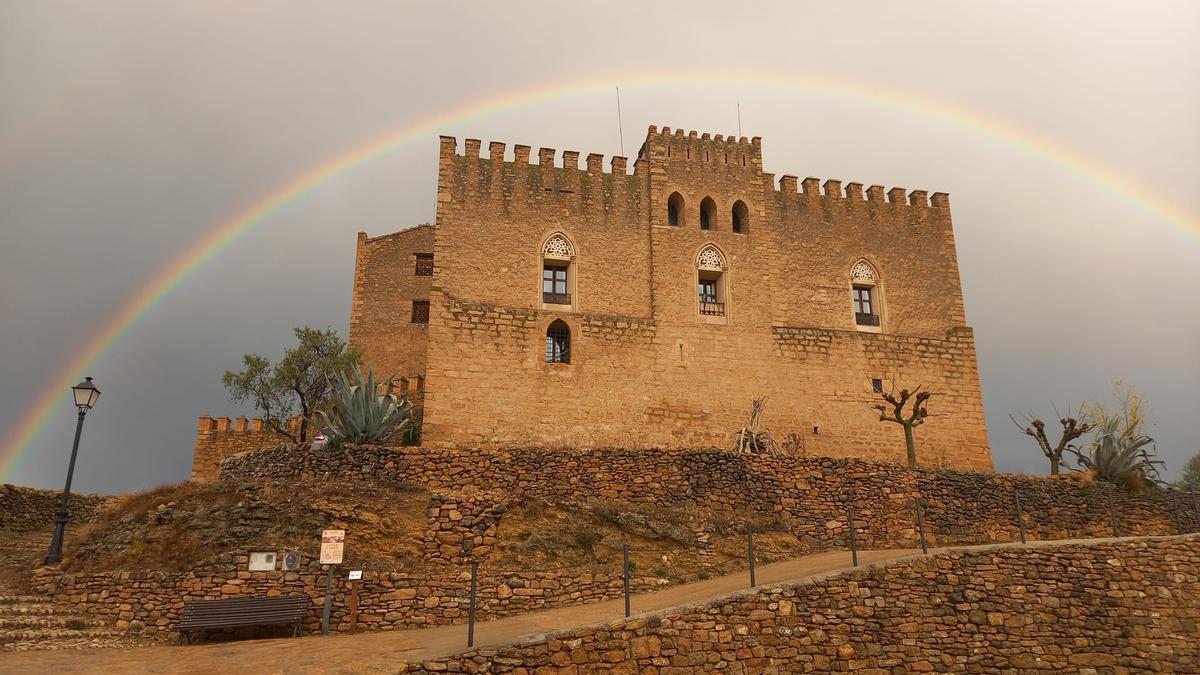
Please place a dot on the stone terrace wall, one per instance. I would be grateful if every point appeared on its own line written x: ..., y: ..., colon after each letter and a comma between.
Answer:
x: 810, y: 495
x: 1111, y: 607
x: 24, y: 508
x: 386, y: 600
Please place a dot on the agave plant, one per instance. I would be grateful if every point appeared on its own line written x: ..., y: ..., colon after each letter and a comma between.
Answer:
x: 752, y: 439
x: 358, y: 413
x: 1121, y: 456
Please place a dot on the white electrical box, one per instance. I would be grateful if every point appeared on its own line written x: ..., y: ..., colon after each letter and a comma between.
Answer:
x: 262, y: 561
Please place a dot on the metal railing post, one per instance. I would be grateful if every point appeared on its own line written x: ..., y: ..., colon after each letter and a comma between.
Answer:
x: 625, y: 574
x: 853, y: 540
x: 328, y: 599
x: 1112, y: 513
x: 921, y: 526
x: 750, y: 549
x: 471, y: 608
x: 1196, y: 510
x: 1020, y: 515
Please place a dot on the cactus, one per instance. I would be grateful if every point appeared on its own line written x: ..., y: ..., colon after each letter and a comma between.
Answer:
x: 357, y: 413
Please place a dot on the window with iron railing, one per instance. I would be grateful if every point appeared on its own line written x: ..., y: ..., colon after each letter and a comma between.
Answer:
x: 709, y: 304
x: 863, y: 310
x: 554, y: 285
x: 420, y: 311
x: 424, y: 265
x: 558, y: 342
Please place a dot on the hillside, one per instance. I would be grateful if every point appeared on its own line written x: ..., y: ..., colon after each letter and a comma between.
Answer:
x: 190, y: 526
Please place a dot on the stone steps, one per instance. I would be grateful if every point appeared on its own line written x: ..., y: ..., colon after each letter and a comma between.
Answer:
x: 30, y: 622
x: 55, y: 621
x: 10, y: 600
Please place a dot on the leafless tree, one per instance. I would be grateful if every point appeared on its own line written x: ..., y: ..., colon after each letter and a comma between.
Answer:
x: 1072, y: 429
x: 891, y: 408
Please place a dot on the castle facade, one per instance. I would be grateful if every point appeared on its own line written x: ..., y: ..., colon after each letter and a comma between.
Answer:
x: 552, y: 305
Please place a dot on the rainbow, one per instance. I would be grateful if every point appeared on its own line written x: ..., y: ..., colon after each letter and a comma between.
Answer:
x: 53, y: 398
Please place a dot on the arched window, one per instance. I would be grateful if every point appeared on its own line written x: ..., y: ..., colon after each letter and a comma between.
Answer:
x: 864, y: 289
x: 557, y: 266
x: 710, y: 281
x: 708, y: 208
x: 741, y: 216
x: 558, y: 342
x: 675, y: 209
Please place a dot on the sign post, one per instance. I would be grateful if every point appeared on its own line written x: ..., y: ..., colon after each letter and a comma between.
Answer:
x: 332, y: 543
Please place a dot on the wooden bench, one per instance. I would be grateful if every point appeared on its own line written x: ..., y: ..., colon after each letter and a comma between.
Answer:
x: 201, y: 615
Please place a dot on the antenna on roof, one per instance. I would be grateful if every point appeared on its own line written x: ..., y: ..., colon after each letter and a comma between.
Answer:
x: 739, y: 105
x: 620, y: 127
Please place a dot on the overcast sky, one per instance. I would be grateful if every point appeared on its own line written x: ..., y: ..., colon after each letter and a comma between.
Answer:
x: 128, y: 130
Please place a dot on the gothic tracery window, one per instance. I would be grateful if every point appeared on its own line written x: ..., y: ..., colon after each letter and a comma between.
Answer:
x: 558, y: 268
x: 710, y: 281
x: 864, y: 292
x: 557, y: 246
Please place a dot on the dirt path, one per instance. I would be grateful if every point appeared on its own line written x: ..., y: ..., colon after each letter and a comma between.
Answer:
x: 379, y: 652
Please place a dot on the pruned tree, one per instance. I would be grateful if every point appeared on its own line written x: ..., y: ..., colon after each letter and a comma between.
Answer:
x: 751, y: 438
x: 301, y: 382
x: 1072, y: 429
x: 892, y: 409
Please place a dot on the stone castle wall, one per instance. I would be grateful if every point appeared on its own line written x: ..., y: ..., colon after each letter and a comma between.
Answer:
x: 1101, y: 607
x: 647, y: 370
x: 385, y: 285
x: 809, y: 496
x: 218, y: 438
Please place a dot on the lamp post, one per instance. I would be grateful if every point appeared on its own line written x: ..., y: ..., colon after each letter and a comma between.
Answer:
x: 86, y: 395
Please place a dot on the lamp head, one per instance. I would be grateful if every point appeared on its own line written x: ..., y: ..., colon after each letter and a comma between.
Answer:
x: 86, y: 394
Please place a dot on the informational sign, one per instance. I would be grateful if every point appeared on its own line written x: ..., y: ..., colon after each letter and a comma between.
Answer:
x: 291, y: 561
x: 262, y: 561
x: 355, y: 575
x: 332, y: 543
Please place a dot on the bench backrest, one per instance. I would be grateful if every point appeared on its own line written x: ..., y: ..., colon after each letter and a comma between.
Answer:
x: 240, y: 611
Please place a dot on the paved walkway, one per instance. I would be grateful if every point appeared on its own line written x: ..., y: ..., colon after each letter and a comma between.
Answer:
x: 379, y: 652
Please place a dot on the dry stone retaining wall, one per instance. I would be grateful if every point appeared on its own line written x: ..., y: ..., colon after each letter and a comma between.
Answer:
x: 150, y: 602
x: 1103, y: 607
x: 809, y: 495
x: 23, y: 509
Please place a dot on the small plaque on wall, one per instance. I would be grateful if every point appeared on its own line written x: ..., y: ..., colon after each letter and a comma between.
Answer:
x: 291, y: 561
x: 262, y: 561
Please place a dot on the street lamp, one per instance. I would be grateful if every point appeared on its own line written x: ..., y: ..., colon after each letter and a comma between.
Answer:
x: 86, y: 395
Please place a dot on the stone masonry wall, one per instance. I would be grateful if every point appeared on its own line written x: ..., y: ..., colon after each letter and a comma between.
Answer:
x: 647, y: 369
x: 1102, y: 607
x: 809, y: 495
x: 385, y: 600
x: 24, y: 509
x: 220, y: 437
x: 385, y: 286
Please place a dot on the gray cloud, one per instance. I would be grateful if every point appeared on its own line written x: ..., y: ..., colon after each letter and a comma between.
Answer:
x: 128, y: 130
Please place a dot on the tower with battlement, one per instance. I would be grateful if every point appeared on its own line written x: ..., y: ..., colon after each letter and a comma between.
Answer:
x: 557, y: 305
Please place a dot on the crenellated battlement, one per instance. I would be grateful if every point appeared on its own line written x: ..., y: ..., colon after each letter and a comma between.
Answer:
x: 694, y: 147
x: 812, y: 189
x: 220, y: 437
x: 546, y: 157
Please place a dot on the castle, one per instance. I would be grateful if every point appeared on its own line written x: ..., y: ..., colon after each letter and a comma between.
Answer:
x: 551, y: 305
